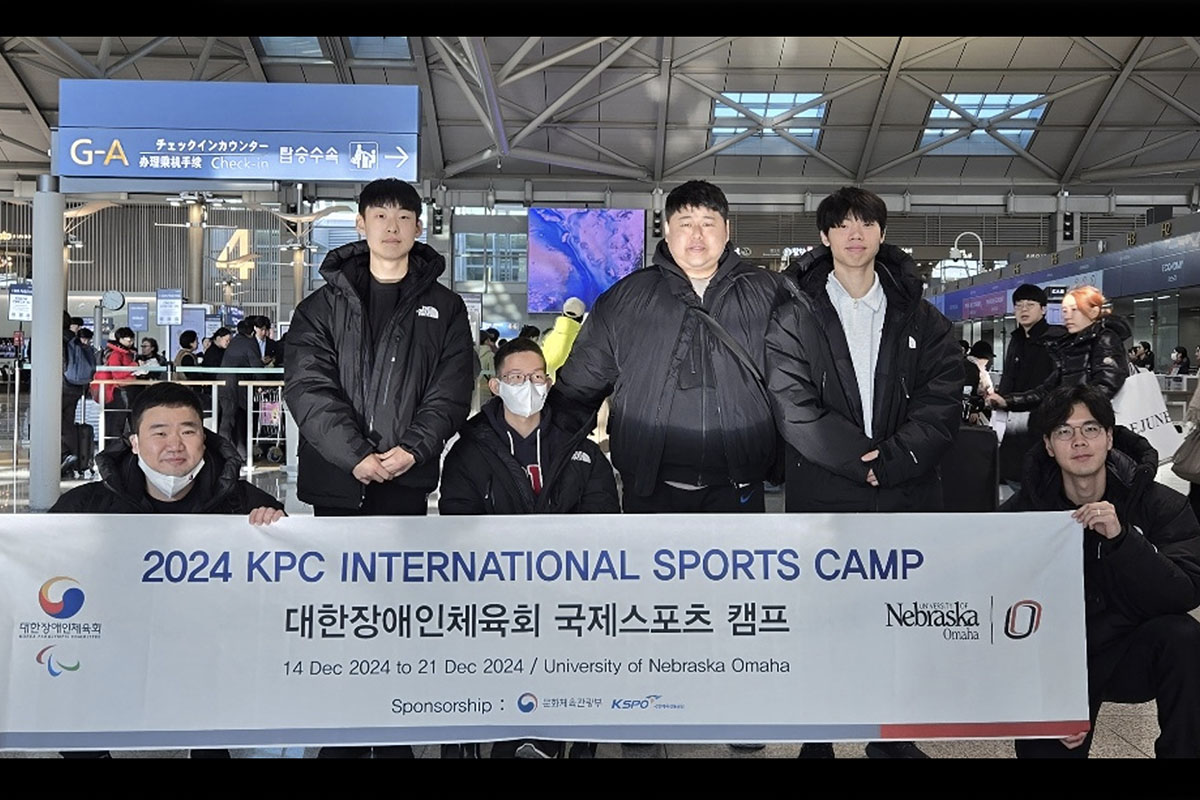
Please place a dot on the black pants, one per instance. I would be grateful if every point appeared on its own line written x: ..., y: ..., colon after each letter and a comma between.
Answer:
x: 70, y: 399
x: 380, y: 500
x: 1160, y: 661
x: 116, y: 417
x: 231, y: 422
x: 383, y: 500
x: 717, y: 499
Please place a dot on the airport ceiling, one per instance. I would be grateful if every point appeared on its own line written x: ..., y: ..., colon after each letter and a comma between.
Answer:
x: 1115, y: 120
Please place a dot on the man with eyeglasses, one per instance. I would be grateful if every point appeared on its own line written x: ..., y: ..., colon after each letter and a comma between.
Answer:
x: 1141, y: 568
x: 1027, y: 363
x: 514, y: 457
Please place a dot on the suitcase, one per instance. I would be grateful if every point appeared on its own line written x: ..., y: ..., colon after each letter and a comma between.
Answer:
x: 971, y: 471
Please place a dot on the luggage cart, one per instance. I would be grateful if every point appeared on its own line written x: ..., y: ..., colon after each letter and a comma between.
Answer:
x: 267, y: 409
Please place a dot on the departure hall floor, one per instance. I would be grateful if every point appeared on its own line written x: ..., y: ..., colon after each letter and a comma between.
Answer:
x: 1123, y: 731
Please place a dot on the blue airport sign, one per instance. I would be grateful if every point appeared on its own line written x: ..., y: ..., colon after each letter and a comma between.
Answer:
x: 236, y: 131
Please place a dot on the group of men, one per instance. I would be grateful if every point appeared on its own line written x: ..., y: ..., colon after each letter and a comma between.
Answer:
x: 836, y: 375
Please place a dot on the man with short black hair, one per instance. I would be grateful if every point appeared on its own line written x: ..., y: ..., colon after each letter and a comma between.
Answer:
x: 170, y: 465
x: 679, y: 346
x: 243, y: 353
x: 866, y: 380
x: 1141, y: 567
x: 379, y: 365
x: 514, y: 458
x: 379, y: 373
x: 1027, y: 363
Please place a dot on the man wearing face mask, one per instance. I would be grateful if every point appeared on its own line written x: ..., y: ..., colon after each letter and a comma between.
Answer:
x: 170, y: 465
x: 513, y: 458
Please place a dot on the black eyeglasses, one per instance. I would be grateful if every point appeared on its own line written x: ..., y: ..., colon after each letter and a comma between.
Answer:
x: 1066, y: 433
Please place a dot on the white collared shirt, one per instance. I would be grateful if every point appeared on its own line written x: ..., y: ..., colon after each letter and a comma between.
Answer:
x: 862, y: 322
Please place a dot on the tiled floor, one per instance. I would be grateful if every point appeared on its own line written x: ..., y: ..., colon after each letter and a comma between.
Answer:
x: 1123, y: 731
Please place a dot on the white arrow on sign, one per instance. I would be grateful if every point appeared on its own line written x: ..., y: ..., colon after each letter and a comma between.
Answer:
x: 400, y: 159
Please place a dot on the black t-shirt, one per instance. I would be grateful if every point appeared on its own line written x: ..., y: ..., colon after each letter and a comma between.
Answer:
x: 184, y: 505
x: 382, y: 299
x: 526, y: 450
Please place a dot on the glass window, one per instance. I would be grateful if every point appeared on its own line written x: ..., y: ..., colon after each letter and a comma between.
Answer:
x: 982, y: 107
x: 291, y: 46
x: 498, y: 257
x: 391, y: 48
x: 768, y: 105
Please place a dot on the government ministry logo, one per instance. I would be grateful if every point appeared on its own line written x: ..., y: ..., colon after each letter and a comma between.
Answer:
x: 61, y: 602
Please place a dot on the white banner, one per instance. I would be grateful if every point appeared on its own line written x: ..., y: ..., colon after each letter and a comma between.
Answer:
x: 178, y: 631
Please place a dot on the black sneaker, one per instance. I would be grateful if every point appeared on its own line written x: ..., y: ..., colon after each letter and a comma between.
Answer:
x: 816, y: 750
x: 582, y: 750
x: 894, y: 750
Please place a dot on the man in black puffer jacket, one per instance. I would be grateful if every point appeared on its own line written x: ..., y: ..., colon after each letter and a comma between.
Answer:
x: 866, y: 380
x: 1028, y: 362
x: 513, y: 457
x: 170, y: 465
x: 679, y: 345
x: 197, y: 474
x: 869, y: 403
x: 1141, y: 567
x: 379, y: 366
x: 378, y: 373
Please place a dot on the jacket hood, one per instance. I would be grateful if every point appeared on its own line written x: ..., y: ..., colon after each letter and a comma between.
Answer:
x: 897, y: 269
x: 1108, y: 322
x: 348, y: 268
x: 1041, y: 331
x: 1132, y: 463
x: 491, y: 419
x: 121, y: 474
x: 663, y: 259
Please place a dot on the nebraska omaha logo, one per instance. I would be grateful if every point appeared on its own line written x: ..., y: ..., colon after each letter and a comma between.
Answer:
x: 957, y: 620
x: 1022, y: 619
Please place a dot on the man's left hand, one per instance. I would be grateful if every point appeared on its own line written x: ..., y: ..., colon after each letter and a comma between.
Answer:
x: 871, y: 456
x: 265, y: 515
x: 397, y: 461
x: 1101, y: 517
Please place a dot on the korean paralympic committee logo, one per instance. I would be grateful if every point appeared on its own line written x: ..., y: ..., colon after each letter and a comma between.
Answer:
x: 69, y: 602
x: 44, y: 656
x: 1022, y: 619
x: 527, y: 702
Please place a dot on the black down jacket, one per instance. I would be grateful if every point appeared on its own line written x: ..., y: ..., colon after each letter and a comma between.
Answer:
x: 642, y: 333
x: 352, y: 398
x: 218, y: 489
x: 1095, y: 355
x: 918, y: 390
x: 481, y: 476
x: 1152, y: 568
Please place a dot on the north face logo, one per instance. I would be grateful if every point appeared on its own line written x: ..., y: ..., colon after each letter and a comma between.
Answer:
x: 427, y: 311
x: 579, y: 455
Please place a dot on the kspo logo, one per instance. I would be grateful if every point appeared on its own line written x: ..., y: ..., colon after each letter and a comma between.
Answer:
x: 1022, y: 619
x: 85, y: 157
